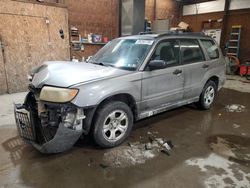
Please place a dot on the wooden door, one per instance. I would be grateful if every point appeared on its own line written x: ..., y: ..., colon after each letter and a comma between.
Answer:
x: 26, y: 44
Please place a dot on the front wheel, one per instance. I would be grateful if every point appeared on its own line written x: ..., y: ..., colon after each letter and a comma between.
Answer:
x: 114, y: 121
x: 207, y: 96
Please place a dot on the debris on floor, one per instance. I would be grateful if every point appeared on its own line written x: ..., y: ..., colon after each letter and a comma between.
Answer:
x: 236, y: 126
x: 221, y: 170
x: 136, y: 153
x: 103, y: 165
x: 90, y: 162
x: 154, y: 133
x: 235, y: 108
x: 148, y: 146
x: 149, y: 133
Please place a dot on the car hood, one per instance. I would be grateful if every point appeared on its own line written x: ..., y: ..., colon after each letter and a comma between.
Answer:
x: 67, y: 73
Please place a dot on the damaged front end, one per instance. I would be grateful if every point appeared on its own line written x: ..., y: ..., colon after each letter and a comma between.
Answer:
x: 49, y: 127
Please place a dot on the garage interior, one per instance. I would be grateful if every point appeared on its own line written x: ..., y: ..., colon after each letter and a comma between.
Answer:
x: 208, y: 148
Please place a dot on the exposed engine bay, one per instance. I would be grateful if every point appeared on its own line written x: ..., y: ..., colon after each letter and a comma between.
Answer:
x: 49, y: 127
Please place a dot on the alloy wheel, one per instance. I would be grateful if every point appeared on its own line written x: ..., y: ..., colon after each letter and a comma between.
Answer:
x: 115, y: 125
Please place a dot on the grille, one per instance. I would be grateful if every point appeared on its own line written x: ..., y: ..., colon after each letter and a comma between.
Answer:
x: 26, y: 130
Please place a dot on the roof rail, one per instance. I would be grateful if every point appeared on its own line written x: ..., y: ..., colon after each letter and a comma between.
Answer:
x: 146, y: 33
x: 174, y: 32
x: 179, y: 32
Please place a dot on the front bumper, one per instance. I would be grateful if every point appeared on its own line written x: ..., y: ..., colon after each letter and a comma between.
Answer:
x: 28, y: 127
x: 63, y: 140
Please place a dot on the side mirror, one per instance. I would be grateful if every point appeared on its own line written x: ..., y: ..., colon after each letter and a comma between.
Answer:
x: 157, y: 64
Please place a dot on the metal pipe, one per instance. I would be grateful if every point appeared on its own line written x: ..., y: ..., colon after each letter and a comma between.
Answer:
x: 155, y: 9
x: 224, y: 25
x: 120, y: 18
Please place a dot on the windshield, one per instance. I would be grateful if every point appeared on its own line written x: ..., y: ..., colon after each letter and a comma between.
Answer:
x: 123, y: 53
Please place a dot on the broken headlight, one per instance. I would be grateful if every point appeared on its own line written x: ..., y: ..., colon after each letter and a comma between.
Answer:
x: 55, y: 94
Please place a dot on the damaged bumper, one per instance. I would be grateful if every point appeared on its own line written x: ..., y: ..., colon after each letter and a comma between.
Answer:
x: 33, y: 126
x: 63, y: 140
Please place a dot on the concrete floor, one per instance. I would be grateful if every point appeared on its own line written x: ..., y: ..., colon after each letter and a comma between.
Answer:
x: 211, y: 149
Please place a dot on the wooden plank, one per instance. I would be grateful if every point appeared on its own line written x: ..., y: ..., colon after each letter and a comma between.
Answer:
x: 25, y: 48
x: 3, y: 85
x: 46, y: 2
x: 31, y: 35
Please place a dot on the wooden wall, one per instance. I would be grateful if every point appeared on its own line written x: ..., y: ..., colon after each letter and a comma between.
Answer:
x: 46, y: 2
x: 102, y: 17
x: 240, y: 17
x: 235, y: 17
x: 168, y: 9
x: 30, y: 34
x: 98, y: 17
x: 29, y: 40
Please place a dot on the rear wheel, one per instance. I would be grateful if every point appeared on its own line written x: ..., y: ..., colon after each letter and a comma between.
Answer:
x: 207, y: 96
x: 114, y: 121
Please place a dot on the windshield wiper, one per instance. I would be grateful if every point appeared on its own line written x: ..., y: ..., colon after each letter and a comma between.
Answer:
x: 102, y: 64
x: 98, y: 63
x: 109, y: 65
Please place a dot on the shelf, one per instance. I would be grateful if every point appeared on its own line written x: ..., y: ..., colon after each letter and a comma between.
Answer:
x: 74, y: 35
x: 97, y: 43
x: 88, y: 43
x: 231, y: 54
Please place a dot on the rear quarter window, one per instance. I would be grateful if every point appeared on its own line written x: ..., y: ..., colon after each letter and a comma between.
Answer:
x: 211, y: 48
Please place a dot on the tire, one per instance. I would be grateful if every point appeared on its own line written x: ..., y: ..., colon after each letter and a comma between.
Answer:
x: 114, y: 122
x: 207, y: 96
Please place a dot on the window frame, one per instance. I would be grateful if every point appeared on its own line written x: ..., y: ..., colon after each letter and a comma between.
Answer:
x: 206, y: 49
x: 201, y: 48
x: 155, y: 47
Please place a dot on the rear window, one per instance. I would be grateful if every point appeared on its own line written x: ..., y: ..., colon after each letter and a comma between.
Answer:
x: 211, y: 48
x: 191, y: 51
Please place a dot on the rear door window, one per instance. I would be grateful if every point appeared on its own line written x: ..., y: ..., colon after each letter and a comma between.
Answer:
x: 211, y: 48
x: 191, y: 51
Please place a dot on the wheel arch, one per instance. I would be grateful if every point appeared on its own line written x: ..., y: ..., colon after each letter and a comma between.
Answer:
x: 91, y: 113
x: 215, y: 79
x: 123, y: 97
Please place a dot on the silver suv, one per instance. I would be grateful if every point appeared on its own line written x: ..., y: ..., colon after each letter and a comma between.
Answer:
x: 129, y: 79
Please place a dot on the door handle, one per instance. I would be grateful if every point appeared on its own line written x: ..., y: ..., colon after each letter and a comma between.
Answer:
x: 177, y: 71
x: 205, y: 66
